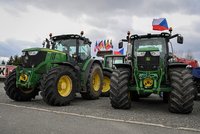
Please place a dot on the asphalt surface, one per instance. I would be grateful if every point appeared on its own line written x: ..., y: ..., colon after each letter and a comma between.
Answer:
x: 150, y: 115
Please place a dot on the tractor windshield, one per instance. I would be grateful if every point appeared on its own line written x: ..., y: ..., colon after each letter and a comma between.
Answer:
x: 84, y: 50
x: 66, y: 45
x: 110, y: 61
x: 158, y: 43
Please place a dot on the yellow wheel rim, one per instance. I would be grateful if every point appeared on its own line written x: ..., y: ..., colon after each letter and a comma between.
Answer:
x: 96, y: 81
x: 106, y: 84
x: 64, y: 86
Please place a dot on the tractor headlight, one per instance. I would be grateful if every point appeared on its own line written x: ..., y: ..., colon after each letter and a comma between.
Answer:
x: 155, y: 53
x: 23, y: 53
x: 140, y: 54
x: 32, y: 53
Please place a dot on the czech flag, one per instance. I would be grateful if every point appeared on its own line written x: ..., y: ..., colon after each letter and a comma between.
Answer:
x: 119, y: 52
x: 160, y: 24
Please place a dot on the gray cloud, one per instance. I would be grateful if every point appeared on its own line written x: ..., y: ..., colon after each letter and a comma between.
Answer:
x: 14, y: 47
x: 108, y: 7
x: 107, y: 17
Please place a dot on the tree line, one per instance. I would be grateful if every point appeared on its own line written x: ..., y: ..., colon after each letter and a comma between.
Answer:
x: 13, y: 60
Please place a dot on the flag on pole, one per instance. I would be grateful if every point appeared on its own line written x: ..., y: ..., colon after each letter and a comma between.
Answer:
x: 160, y: 24
x: 108, y: 45
x: 101, y: 44
x: 119, y: 52
x: 96, y: 48
x: 111, y: 43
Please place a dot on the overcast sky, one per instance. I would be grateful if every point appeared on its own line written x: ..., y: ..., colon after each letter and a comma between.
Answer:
x: 26, y: 23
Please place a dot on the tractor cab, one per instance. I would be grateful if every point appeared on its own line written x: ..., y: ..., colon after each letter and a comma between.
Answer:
x: 111, y: 60
x: 76, y: 47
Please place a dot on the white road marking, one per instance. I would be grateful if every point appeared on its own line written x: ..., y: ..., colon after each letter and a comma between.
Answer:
x: 101, y: 118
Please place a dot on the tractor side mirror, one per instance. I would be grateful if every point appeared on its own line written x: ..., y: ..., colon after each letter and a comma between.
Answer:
x: 86, y: 41
x: 120, y: 45
x: 180, y: 39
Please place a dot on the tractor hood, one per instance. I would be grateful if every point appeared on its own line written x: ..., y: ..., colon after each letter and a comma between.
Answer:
x: 41, y: 49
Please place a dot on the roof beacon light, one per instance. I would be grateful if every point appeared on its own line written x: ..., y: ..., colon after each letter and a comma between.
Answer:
x: 50, y: 35
x: 82, y: 32
x: 170, y: 30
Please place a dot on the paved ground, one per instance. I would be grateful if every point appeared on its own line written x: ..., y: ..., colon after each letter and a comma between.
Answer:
x: 97, y: 116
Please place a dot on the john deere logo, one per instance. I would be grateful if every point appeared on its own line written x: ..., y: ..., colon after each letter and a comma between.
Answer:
x: 148, y: 59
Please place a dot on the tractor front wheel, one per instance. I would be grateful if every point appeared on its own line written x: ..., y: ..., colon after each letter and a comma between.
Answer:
x: 16, y: 93
x: 58, y: 87
x: 94, y: 83
x: 182, y: 95
x: 119, y: 95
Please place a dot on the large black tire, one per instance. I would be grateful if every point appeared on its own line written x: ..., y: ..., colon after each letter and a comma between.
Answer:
x: 119, y: 93
x: 15, y: 93
x: 182, y: 95
x: 58, y: 86
x: 106, y: 84
x: 94, y: 83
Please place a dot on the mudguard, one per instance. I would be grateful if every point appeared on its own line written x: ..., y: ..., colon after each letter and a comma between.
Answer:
x: 107, y: 70
x: 175, y: 65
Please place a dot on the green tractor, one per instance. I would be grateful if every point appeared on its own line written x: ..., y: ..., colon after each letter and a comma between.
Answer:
x: 61, y: 69
x: 108, y: 65
x: 151, y: 71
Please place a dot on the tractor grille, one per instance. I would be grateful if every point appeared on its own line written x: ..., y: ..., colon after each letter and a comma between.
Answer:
x: 29, y: 61
x: 148, y: 62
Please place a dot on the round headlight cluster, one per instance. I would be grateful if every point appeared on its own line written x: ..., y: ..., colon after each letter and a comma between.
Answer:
x: 140, y: 54
x: 31, y: 53
x: 155, y: 53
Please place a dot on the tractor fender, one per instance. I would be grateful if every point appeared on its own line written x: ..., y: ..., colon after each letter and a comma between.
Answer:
x: 107, y: 70
x: 87, y: 71
x: 125, y: 66
x: 177, y: 65
x: 67, y: 64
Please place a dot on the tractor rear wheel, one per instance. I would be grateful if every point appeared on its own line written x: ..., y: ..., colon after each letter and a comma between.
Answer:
x: 58, y: 86
x: 119, y: 93
x: 16, y: 93
x: 94, y: 83
x: 182, y: 95
x: 106, y: 84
